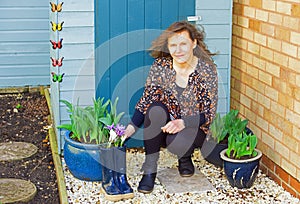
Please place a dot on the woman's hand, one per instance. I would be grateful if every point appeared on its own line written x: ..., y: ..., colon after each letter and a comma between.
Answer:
x: 129, y: 131
x: 173, y: 126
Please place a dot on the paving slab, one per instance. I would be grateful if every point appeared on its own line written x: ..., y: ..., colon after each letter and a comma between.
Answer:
x: 16, y: 190
x: 16, y: 150
x: 174, y: 183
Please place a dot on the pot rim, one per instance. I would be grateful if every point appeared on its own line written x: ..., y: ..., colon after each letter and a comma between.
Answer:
x: 225, y: 158
x: 79, y: 144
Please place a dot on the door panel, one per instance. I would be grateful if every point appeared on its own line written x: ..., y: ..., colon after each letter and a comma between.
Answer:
x: 124, y: 32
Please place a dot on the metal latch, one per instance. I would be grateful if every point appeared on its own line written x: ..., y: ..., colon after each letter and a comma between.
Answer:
x: 194, y: 18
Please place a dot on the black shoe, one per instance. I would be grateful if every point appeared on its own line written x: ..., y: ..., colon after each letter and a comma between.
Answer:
x: 147, y: 183
x: 186, y: 167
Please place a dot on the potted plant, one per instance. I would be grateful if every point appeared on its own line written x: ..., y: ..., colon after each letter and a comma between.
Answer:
x: 85, y: 132
x: 94, y: 147
x: 241, y: 159
x: 220, y: 130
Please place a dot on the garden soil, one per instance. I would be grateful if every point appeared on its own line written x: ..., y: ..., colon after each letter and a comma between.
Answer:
x: 24, y: 118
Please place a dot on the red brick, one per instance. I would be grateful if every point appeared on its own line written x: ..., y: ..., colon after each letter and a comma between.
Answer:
x: 289, y: 189
x: 295, y: 184
x: 274, y: 177
x: 282, y: 174
x: 263, y: 168
x: 268, y: 162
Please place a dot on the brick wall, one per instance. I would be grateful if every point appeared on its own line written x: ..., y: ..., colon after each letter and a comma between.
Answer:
x: 265, y: 82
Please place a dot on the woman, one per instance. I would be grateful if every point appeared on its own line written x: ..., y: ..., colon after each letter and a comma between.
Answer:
x: 179, y: 101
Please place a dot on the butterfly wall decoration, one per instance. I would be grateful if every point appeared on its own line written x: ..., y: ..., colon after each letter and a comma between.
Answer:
x: 57, y: 77
x: 56, y: 44
x: 57, y: 27
x: 57, y: 62
x: 56, y: 7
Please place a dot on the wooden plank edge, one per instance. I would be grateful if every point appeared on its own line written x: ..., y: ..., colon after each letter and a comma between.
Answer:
x: 62, y: 190
x: 48, y: 99
x: 23, y: 89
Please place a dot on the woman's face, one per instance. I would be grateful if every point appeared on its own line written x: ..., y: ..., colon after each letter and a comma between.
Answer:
x: 181, y: 47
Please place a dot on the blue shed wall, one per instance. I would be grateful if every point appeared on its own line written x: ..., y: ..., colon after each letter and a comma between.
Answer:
x: 24, y: 43
x: 216, y: 18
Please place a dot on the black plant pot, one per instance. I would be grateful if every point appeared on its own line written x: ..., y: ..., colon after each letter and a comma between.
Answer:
x: 211, y: 152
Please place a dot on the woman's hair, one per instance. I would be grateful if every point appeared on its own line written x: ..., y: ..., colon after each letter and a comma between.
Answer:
x: 159, y: 46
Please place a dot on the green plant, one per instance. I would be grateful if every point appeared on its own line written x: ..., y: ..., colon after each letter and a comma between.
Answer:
x: 19, y: 106
x: 88, y: 124
x: 241, y: 144
x: 229, y: 124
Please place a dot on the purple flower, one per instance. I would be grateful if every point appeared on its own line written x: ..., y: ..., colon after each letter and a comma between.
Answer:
x: 120, y: 130
x: 110, y: 127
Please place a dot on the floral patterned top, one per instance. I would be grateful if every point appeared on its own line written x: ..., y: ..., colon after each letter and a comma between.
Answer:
x: 199, y: 96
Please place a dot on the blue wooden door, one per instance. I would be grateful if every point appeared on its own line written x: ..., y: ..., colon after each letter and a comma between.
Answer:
x: 123, y: 33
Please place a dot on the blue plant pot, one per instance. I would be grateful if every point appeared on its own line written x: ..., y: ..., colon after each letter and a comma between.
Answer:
x: 241, y: 173
x: 83, y: 160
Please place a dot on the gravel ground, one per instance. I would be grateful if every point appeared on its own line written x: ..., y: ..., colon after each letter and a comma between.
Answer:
x: 263, y: 191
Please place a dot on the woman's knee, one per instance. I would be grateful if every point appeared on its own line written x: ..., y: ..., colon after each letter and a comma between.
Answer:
x: 157, y: 114
x: 181, y: 144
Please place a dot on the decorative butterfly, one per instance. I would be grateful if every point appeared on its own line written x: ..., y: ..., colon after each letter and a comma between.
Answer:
x: 56, y: 44
x: 57, y: 26
x: 57, y: 77
x: 57, y: 7
x: 57, y: 62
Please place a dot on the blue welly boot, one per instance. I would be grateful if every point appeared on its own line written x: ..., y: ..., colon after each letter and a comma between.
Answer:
x: 108, y: 187
x: 120, y: 172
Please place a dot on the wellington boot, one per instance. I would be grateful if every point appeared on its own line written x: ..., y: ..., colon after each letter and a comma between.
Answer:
x: 108, y: 186
x: 114, y: 182
x: 120, y: 176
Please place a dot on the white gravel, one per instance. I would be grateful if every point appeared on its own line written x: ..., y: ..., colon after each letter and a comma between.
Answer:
x: 263, y: 191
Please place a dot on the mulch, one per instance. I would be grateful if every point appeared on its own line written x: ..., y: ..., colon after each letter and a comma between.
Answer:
x: 24, y: 118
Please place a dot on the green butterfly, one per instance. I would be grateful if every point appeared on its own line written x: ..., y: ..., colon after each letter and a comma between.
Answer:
x: 57, y: 77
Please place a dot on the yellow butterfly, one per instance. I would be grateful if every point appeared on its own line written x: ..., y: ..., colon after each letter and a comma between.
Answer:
x: 57, y: 26
x: 57, y: 7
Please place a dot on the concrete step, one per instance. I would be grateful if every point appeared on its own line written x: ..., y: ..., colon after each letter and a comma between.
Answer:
x: 174, y: 183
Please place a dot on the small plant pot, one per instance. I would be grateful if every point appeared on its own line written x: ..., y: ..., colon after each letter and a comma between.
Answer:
x: 241, y: 173
x: 211, y: 152
x: 82, y: 160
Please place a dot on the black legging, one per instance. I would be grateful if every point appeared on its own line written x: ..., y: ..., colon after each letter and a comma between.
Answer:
x: 181, y: 144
